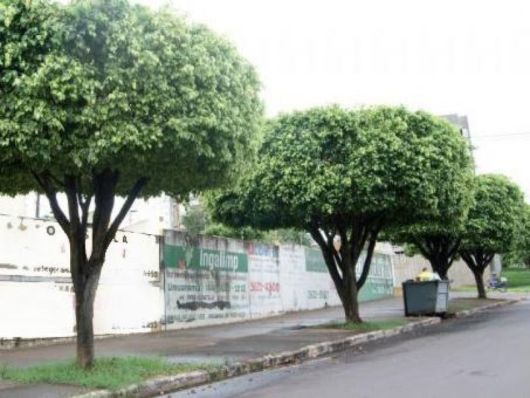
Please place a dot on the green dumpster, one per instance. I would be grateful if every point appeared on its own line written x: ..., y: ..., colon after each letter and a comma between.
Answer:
x: 425, y: 298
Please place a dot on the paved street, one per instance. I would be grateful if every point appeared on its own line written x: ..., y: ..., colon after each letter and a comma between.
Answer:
x: 235, y: 342
x: 487, y: 355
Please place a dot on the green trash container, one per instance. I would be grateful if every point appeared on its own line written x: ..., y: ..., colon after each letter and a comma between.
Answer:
x: 425, y: 298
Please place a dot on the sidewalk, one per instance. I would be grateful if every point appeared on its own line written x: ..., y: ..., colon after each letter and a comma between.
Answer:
x: 217, y: 344
x: 222, y: 344
x: 208, y: 339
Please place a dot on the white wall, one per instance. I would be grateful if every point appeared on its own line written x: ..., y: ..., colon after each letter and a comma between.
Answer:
x: 269, y: 280
x: 36, y: 295
x: 204, y: 280
x: 265, y: 294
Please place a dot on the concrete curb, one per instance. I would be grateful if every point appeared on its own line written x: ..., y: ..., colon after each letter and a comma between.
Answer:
x: 464, y: 313
x: 167, y: 384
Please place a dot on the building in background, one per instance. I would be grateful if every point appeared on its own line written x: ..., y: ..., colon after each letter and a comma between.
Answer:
x: 150, y: 216
x: 462, y: 123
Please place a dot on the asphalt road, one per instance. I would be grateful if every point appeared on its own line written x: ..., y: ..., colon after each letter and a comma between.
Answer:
x: 487, y: 355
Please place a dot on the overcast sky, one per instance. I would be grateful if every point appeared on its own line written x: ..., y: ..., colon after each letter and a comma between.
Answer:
x: 467, y: 57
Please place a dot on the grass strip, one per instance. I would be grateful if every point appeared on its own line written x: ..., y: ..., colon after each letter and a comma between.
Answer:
x: 366, y: 326
x: 109, y: 373
x: 518, y: 279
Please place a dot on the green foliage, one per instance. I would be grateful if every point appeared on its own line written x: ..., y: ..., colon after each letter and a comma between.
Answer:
x: 100, y: 84
x: 288, y: 235
x: 452, y: 208
x: 494, y: 218
x: 328, y: 162
x: 196, y: 219
x: 409, y: 250
x: 519, y: 252
x: 26, y: 37
x: 273, y: 237
x: 437, y: 236
x: 111, y: 373
x: 243, y: 233
x: 518, y: 279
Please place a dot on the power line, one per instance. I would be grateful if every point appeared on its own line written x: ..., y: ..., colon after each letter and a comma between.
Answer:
x: 500, y: 136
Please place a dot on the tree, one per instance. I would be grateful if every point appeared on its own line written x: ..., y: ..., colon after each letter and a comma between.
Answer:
x: 335, y: 172
x: 519, y: 253
x: 102, y: 98
x: 196, y: 219
x: 491, y: 225
x: 438, y: 237
x: 522, y: 239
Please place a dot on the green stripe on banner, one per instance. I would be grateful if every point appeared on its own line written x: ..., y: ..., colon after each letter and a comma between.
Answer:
x: 314, y: 262
x: 196, y: 258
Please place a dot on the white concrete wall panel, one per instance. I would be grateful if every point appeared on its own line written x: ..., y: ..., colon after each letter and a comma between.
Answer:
x: 264, y: 283
x: 36, y: 292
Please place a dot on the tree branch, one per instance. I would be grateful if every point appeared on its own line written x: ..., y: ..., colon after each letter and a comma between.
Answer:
x: 330, y: 262
x: 453, y: 251
x: 131, y: 197
x: 72, y: 191
x: 367, y: 261
x: 378, y: 224
x: 468, y: 259
x: 425, y: 252
x: 55, y: 180
x: 51, y: 194
x: 487, y: 260
x: 104, y: 185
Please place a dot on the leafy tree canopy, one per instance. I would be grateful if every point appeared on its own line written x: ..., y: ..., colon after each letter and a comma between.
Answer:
x: 102, y: 84
x: 519, y: 253
x: 197, y: 220
x: 243, y: 233
x: 328, y: 163
x: 438, y: 236
x: 491, y: 225
x: 493, y: 219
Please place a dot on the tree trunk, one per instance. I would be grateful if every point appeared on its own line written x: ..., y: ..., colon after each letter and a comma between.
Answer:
x: 85, y: 287
x: 480, y: 283
x: 350, y: 304
x: 84, y: 314
x: 441, y: 267
x: 440, y: 251
x: 477, y: 261
x: 350, y: 301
